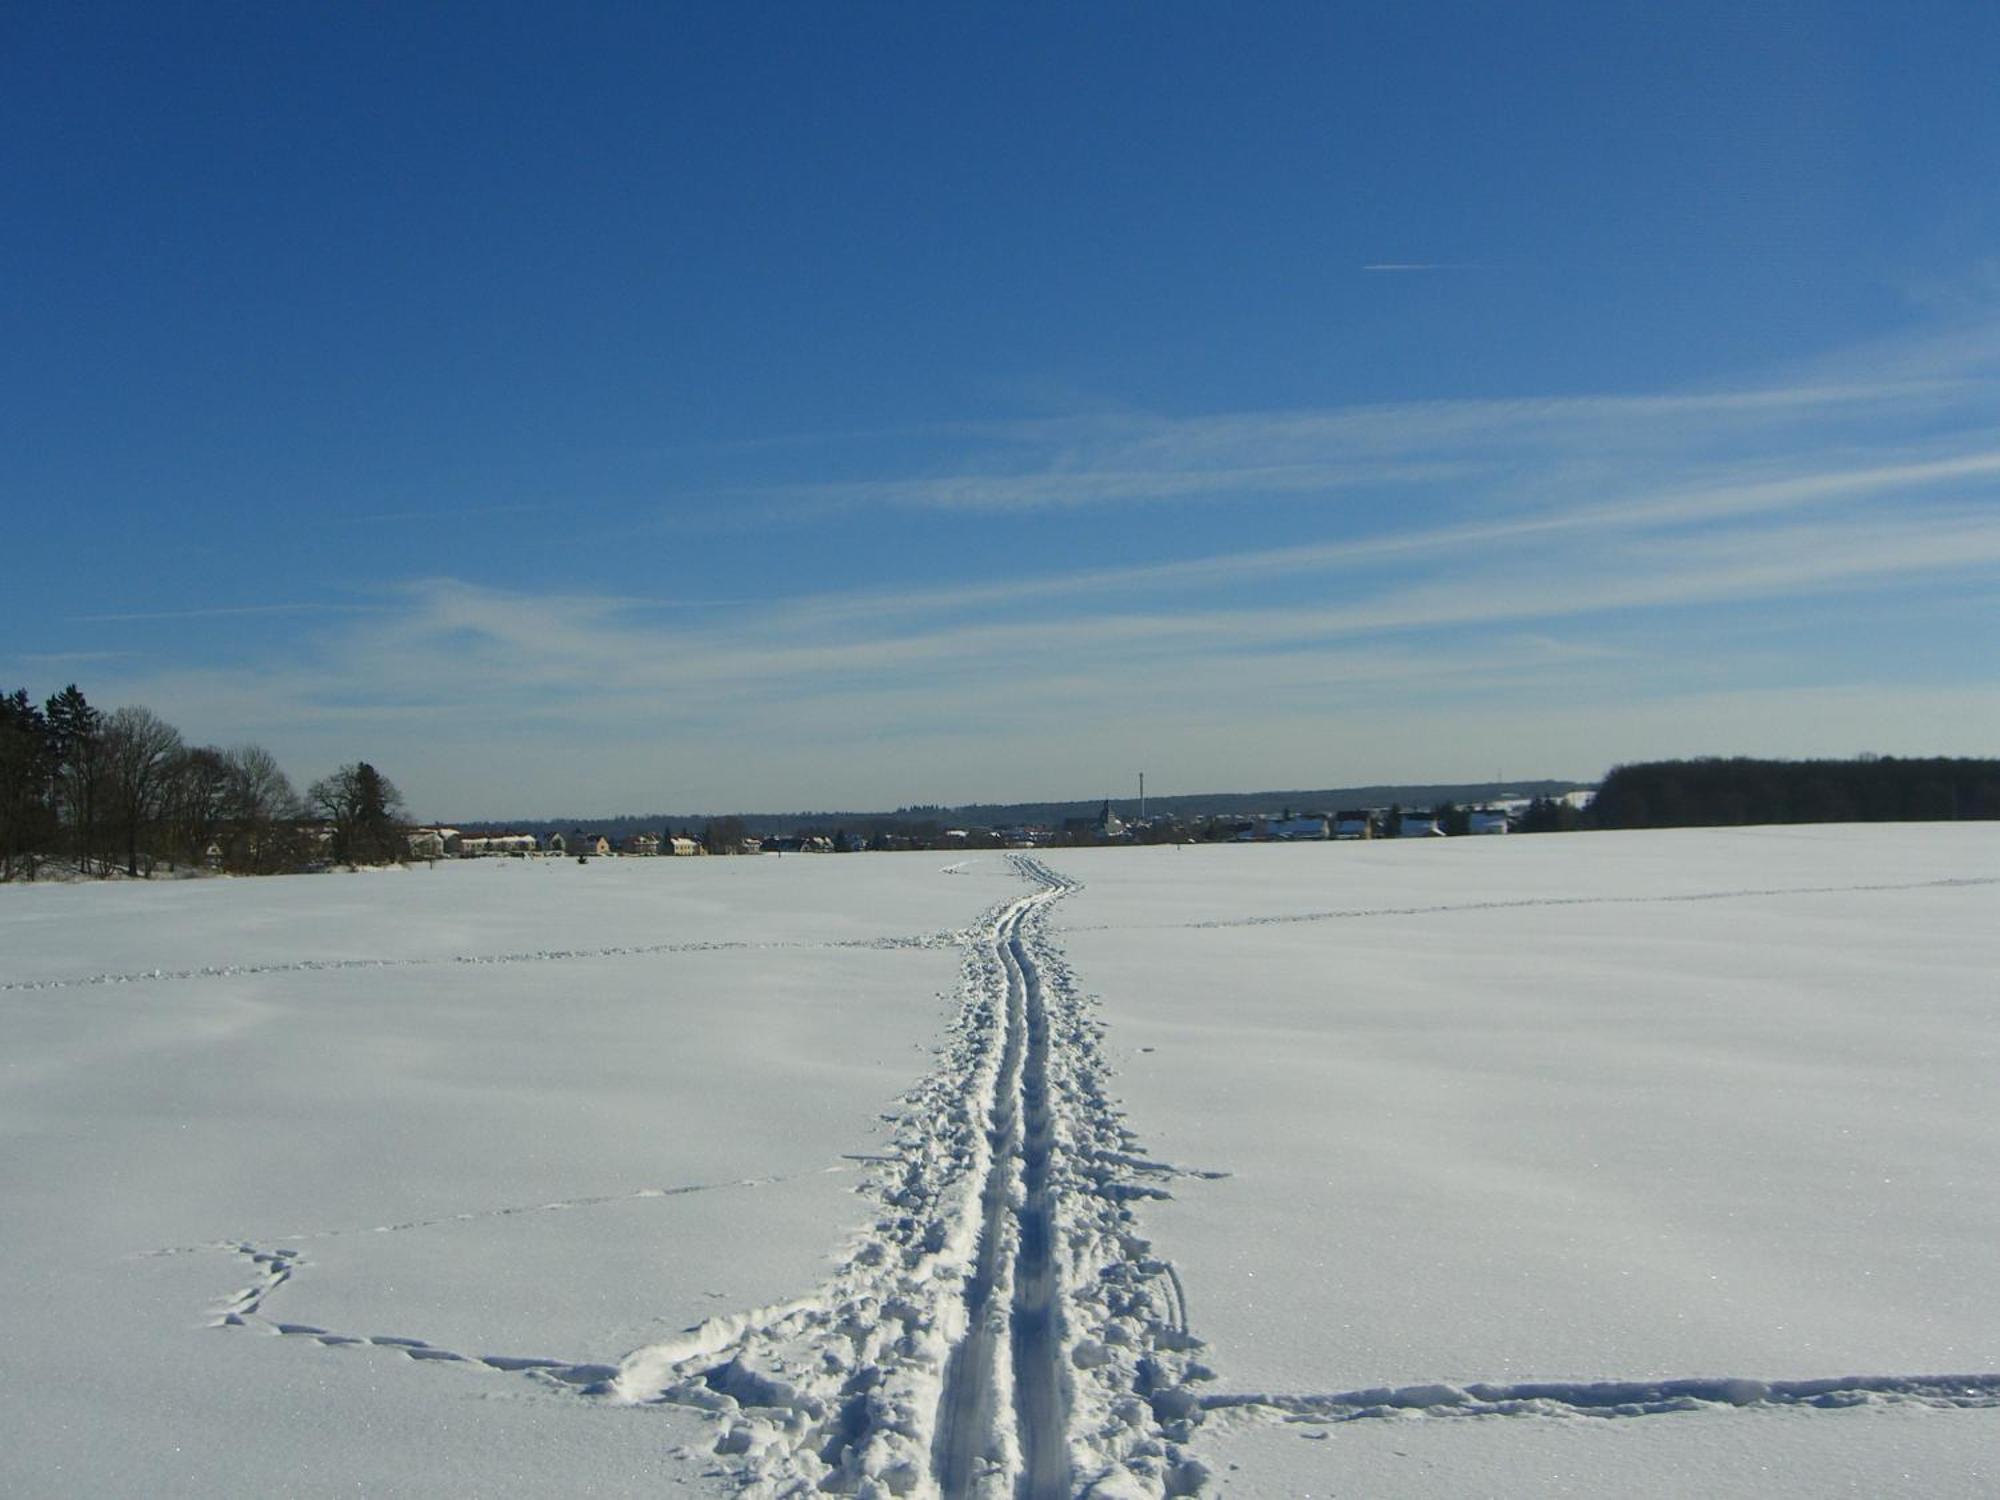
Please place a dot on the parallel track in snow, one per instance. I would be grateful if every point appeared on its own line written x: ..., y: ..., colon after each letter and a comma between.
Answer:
x: 1041, y: 1388
x: 1012, y: 1297
x: 1002, y: 1331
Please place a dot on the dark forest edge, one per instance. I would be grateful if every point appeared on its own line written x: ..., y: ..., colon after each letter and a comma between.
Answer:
x: 1724, y: 793
x: 98, y: 794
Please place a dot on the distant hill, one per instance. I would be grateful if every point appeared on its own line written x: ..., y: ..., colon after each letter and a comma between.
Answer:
x: 1051, y: 814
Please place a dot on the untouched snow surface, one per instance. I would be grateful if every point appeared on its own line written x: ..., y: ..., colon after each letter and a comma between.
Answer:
x: 1637, y: 1163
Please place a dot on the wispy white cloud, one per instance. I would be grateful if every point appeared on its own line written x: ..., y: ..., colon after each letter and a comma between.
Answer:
x: 1070, y: 488
x: 1853, y: 408
x: 1713, y: 502
x: 71, y: 658
x: 1569, y: 531
x: 1501, y: 444
x: 500, y: 659
x: 222, y: 612
x: 452, y: 513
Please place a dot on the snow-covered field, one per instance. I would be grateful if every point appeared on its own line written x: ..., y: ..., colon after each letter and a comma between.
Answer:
x: 1617, y: 1163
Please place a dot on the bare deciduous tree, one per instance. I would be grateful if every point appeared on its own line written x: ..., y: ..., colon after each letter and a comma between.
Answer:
x: 262, y: 804
x: 140, y: 753
x: 365, y: 810
x: 197, y: 802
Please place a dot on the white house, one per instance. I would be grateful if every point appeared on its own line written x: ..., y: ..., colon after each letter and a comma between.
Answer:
x: 1486, y: 820
x: 1419, y: 825
x: 1354, y: 823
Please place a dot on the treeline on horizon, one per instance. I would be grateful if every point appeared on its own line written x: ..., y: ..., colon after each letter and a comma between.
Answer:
x: 101, y: 793
x: 1700, y: 793
x: 1188, y: 809
x: 1716, y: 792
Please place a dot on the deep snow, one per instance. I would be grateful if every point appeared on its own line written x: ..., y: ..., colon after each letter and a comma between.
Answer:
x: 1695, y: 1106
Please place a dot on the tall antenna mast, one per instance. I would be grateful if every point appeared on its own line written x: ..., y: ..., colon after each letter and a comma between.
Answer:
x: 1142, y: 796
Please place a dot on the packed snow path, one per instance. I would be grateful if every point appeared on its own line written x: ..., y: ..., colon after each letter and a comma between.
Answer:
x: 1016, y: 1251
x: 1001, y: 1329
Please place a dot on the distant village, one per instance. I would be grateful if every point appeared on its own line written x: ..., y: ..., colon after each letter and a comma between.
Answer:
x: 724, y: 838
x: 86, y: 794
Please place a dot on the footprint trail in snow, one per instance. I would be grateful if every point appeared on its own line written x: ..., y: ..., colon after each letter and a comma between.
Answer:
x: 1002, y: 1331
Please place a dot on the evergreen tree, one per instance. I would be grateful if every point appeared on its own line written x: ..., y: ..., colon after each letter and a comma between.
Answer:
x: 27, y: 819
x: 378, y: 806
x: 76, y: 767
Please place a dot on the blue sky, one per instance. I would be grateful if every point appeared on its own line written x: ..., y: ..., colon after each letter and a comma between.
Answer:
x: 802, y: 406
